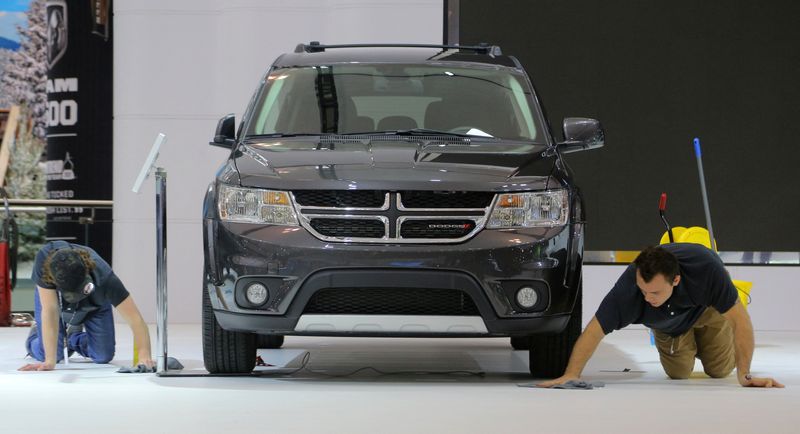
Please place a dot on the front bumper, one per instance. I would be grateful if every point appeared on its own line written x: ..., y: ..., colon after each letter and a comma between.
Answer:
x: 296, y: 266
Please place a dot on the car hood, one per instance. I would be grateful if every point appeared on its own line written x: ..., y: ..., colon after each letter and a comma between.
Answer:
x: 396, y: 165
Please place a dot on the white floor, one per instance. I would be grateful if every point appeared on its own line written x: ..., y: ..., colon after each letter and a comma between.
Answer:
x: 87, y: 398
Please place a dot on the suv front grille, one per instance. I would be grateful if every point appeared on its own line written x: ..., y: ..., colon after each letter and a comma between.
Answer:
x: 381, y: 216
x: 391, y: 301
x: 340, y: 198
x: 446, y: 199
x: 436, y: 228
x: 349, y: 228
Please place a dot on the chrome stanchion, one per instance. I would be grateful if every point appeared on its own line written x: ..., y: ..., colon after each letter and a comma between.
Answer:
x: 161, y: 268
x: 161, y: 247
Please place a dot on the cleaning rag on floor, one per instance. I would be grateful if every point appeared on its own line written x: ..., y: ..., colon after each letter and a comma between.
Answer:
x: 572, y: 384
x: 172, y: 365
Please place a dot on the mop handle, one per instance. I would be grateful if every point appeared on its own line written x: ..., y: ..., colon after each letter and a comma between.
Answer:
x: 699, y: 156
x: 662, y: 206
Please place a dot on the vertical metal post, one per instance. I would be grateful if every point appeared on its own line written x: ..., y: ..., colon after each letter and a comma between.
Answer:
x: 161, y: 268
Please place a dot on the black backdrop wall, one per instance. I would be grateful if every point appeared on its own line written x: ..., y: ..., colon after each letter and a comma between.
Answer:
x: 658, y: 74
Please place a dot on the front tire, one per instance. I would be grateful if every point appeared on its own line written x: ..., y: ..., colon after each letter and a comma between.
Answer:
x: 225, y: 352
x: 549, y: 354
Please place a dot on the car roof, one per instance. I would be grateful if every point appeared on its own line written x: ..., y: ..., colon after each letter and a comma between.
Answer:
x: 315, y: 54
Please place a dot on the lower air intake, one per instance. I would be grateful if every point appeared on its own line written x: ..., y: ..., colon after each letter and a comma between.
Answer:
x: 391, y: 301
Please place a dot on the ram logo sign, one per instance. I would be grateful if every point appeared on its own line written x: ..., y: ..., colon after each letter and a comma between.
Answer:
x: 56, y: 31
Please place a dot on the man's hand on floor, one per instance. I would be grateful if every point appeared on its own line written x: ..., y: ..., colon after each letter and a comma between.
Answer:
x: 556, y: 381
x: 42, y: 366
x: 750, y: 381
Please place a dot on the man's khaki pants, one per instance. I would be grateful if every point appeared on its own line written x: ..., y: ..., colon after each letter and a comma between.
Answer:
x: 710, y: 340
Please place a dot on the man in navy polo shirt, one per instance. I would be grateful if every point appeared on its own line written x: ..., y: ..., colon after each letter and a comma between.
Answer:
x: 75, y: 291
x: 683, y: 292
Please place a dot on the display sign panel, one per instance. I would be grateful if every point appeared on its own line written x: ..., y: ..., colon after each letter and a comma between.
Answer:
x: 79, y: 115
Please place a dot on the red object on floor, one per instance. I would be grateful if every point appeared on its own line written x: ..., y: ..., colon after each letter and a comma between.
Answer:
x: 5, y: 286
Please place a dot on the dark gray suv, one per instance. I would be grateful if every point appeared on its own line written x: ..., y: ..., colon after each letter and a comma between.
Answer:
x: 394, y: 190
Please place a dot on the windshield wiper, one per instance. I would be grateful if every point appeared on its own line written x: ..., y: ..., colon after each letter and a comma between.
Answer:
x: 410, y: 132
x: 279, y: 135
x: 406, y: 132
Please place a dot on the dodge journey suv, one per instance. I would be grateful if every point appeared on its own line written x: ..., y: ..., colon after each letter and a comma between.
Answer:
x: 394, y: 190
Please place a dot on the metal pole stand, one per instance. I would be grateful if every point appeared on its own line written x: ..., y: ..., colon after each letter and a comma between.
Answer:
x: 161, y: 268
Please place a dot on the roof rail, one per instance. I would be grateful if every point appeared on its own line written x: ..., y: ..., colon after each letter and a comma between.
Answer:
x: 483, y: 48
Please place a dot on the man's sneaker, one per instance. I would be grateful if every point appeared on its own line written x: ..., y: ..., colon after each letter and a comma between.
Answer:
x: 21, y: 319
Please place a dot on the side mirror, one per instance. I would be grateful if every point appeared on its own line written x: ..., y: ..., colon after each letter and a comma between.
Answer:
x: 581, y: 134
x: 225, y: 136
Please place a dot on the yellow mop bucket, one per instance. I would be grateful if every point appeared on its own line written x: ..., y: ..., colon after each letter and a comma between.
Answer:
x: 744, y: 291
x: 699, y: 235
x: 694, y: 234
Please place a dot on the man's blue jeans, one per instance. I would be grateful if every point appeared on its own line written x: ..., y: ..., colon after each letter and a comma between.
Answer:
x: 96, y: 342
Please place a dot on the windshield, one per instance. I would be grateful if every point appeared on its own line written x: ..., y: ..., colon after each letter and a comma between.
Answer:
x: 363, y: 98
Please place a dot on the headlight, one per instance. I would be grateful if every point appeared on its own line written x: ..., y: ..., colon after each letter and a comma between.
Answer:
x: 253, y: 205
x: 527, y: 210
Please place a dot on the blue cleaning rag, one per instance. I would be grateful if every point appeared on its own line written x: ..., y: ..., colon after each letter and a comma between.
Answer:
x: 580, y: 384
x: 572, y: 385
x: 172, y: 365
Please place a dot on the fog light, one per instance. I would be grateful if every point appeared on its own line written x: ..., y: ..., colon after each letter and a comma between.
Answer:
x: 527, y: 297
x: 256, y: 293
